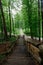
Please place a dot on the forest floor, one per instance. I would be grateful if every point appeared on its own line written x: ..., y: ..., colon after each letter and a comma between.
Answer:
x: 19, y: 57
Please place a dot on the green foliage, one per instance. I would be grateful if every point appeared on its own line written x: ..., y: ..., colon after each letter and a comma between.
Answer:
x: 26, y: 18
x: 17, y: 20
x: 30, y: 7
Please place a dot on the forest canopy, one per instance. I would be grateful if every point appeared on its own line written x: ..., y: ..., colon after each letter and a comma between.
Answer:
x: 17, y: 15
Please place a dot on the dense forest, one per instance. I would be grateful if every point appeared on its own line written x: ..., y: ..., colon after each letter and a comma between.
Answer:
x: 20, y: 15
x: 21, y: 22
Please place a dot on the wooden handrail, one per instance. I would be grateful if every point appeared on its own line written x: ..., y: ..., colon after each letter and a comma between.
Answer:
x: 32, y: 45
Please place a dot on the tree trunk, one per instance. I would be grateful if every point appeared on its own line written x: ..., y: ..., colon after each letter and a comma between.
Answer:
x: 42, y: 26
x: 39, y: 17
x: 13, y: 24
x: 42, y: 17
x: 9, y: 16
x: 29, y: 17
x: 4, y: 24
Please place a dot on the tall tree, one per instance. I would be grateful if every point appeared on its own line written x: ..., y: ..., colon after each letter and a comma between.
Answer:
x: 9, y: 6
x: 3, y: 18
x: 39, y: 18
x: 42, y: 17
x: 28, y: 4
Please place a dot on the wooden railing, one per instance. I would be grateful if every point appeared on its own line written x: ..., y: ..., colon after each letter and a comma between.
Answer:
x: 35, y: 48
x: 6, y: 48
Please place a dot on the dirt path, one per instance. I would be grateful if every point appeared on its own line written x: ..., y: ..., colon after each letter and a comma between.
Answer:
x: 18, y: 56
